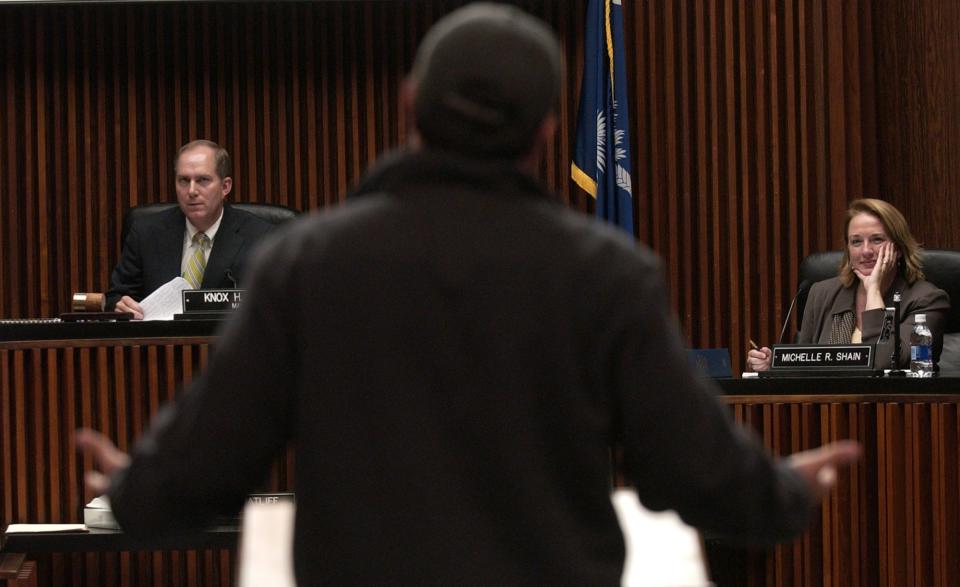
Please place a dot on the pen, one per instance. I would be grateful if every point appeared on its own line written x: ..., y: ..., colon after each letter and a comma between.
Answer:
x: 753, y: 345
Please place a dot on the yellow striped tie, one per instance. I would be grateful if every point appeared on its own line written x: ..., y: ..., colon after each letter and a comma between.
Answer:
x: 197, y: 262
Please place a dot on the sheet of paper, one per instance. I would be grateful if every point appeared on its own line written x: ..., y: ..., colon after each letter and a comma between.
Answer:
x: 662, y: 551
x: 32, y: 528
x: 266, y: 545
x: 166, y: 301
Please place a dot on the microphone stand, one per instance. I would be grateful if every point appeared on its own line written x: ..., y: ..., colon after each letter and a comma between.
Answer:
x: 895, y: 370
x: 804, y: 285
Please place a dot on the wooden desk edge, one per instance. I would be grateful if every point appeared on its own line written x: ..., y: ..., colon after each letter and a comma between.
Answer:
x: 11, y: 563
x: 106, y: 342
x: 847, y: 398
x: 16, y: 571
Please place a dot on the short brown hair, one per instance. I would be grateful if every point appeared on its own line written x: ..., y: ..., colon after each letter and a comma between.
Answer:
x: 220, y: 155
x: 910, y: 264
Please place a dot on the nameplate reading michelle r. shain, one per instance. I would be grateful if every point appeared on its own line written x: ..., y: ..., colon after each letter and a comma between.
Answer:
x: 823, y: 359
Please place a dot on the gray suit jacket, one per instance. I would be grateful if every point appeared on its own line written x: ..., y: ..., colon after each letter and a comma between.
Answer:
x: 151, y: 254
x: 830, y: 297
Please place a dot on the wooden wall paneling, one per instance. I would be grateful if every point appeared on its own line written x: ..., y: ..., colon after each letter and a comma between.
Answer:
x: 7, y: 164
x: 684, y: 148
x: 780, y: 445
x: 945, y: 509
x: 323, y: 156
x: 566, y: 20
x: 69, y: 422
x: 893, y: 519
x: 706, y: 245
x: 799, y: 550
x: 884, y: 522
x: 49, y: 391
x: 100, y: 97
x: 924, y: 484
x: 35, y: 185
x: 866, y: 504
x: 54, y: 431
x: 133, y: 569
x: 729, y: 184
x: 70, y: 253
x: 7, y: 436
x: 917, y: 54
x: 337, y: 71
x: 279, y: 189
x: 719, y: 190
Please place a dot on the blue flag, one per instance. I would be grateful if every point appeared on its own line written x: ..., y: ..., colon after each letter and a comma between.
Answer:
x: 601, y: 159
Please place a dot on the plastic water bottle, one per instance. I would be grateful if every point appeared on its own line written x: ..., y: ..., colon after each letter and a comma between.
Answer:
x: 921, y: 348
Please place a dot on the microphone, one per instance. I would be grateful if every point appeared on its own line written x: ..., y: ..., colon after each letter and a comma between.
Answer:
x: 232, y: 279
x: 895, y: 369
x: 804, y: 286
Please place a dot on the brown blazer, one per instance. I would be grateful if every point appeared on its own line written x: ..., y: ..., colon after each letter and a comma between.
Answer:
x: 830, y: 297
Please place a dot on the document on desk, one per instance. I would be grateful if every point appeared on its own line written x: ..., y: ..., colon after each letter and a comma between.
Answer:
x: 165, y: 301
x: 33, y: 528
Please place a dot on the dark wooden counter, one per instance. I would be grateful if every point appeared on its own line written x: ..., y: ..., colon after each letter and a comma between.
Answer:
x: 947, y: 383
x: 114, y: 377
x: 32, y: 333
x: 894, y: 518
x: 102, y: 540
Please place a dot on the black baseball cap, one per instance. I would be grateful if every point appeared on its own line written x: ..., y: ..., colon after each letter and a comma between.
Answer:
x: 486, y: 76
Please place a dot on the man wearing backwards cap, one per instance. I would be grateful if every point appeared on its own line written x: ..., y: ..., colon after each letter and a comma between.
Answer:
x: 452, y: 355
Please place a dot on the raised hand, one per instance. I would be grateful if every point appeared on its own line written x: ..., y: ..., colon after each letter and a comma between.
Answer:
x: 106, y: 457
x: 818, y: 466
x: 883, y: 270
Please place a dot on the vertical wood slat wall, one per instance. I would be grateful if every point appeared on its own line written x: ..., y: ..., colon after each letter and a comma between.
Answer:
x: 894, y: 520
x: 752, y: 126
x: 751, y: 139
x: 918, y: 114
x: 95, y: 100
x: 47, y: 391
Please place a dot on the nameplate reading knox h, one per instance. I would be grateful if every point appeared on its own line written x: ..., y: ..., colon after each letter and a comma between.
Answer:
x: 833, y: 356
x: 211, y: 300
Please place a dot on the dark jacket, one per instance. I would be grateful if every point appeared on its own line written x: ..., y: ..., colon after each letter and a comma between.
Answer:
x: 153, y: 249
x: 830, y: 297
x: 453, y: 356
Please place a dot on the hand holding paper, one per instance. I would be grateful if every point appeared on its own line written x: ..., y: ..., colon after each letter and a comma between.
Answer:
x: 166, y: 301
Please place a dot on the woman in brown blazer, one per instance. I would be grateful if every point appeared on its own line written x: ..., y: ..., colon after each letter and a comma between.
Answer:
x: 881, y: 257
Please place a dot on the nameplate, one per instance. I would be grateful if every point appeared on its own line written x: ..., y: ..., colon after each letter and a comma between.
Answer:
x: 825, y: 359
x: 271, y: 497
x: 211, y: 300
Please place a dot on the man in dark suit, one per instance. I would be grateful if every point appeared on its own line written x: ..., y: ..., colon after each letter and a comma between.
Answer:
x: 453, y: 354
x: 205, y: 240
